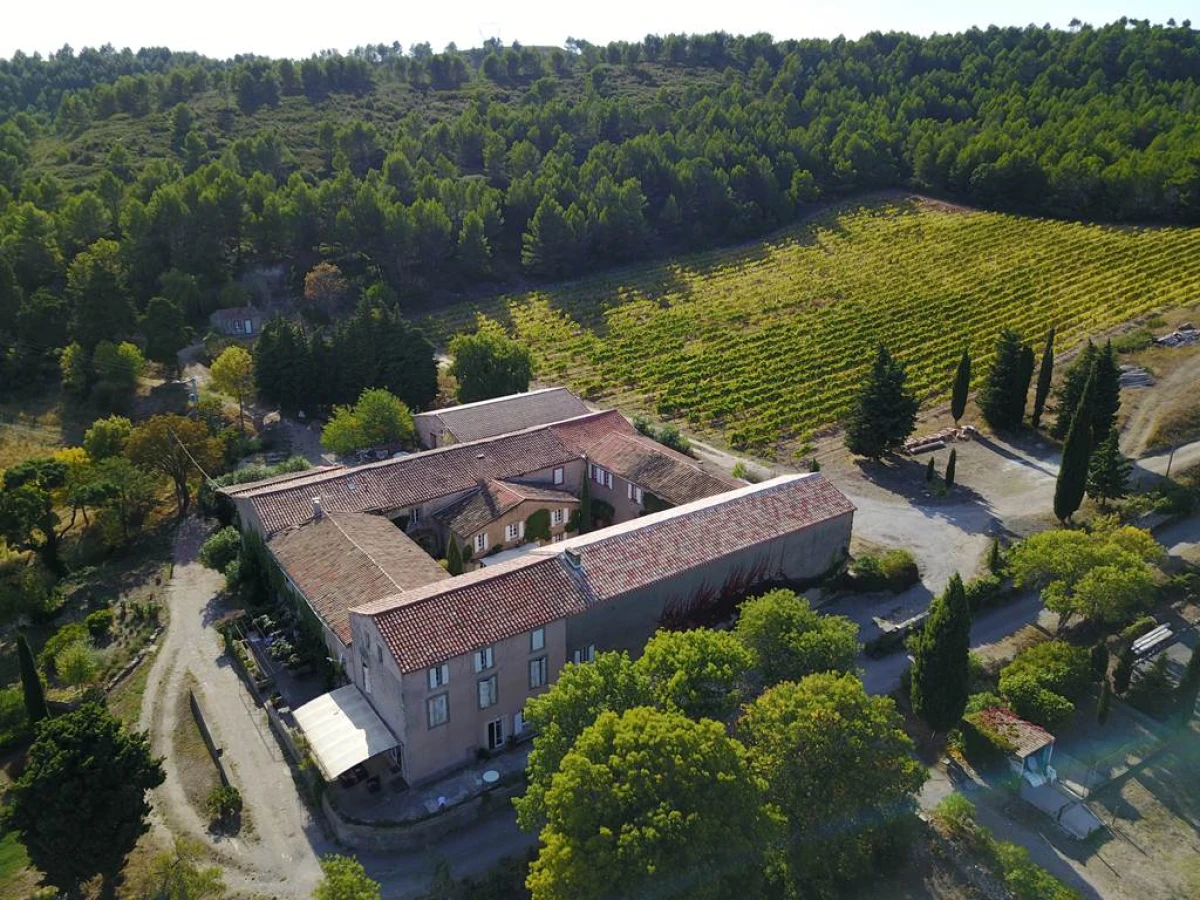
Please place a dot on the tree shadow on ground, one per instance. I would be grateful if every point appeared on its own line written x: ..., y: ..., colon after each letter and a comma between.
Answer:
x: 1034, y: 447
x: 961, y: 505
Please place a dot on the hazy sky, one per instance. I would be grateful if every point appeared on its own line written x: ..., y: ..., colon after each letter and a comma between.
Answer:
x: 222, y: 28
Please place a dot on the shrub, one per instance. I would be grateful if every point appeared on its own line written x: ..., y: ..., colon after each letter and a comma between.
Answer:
x: 986, y: 590
x: 1141, y: 625
x: 1041, y: 679
x: 739, y: 470
x: 895, y: 570
x: 75, y: 633
x: 221, y: 549
x: 99, y: 623
x: 224, y: 803
x: 537, y: 526
x: 1025, y: 879
x: 956, y: 814
x: 14, y: 721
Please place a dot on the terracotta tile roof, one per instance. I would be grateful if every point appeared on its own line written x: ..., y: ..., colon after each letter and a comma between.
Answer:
x: 1025, y: 737
x: 490, y: 501
x: 443, y: 620
x: 660, y: 546
x: 422, y: 477
x: 501, y: 415
x: 346, y: 559
x: 434, y: 624
x: 664, y: 472
x: 238, y: 490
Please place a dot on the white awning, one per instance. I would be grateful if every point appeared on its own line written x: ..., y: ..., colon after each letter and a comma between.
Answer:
x: 343, y: 730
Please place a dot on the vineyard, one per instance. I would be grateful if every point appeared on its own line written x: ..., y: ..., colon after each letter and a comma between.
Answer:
x: 768, y: 342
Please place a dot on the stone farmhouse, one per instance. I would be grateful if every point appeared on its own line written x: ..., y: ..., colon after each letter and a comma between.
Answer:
x: 489, y: 418
x: 441, y: 666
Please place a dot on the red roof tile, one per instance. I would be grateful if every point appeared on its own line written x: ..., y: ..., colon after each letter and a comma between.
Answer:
x: 490, y: 501
x: 1025, y: 737
x: 664, y: 472
x: 431, y: 625
x: 440, y: 621
x: 657, y: 547
x: 347, y: 559
x: 422, y: 477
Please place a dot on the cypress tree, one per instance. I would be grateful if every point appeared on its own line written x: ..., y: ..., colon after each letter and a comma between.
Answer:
x: 585, y: 504
x: 1077, y: 451
x: 1021, y: 387
x: 998, y: 397
x: 929, y: 470
x: 1098, y: 658
x: 454, y: 560
x: 1045, y: 377
x: 995, y: 558
x: 885, y: 412
x: 31, y: 683
x: 962, y: 385
x: 1123, y: 671
x: 950, y: 466
x: 1071, y: 393
x: 1106, y: 393
x: 940, y: 650
x: 1108, y: 472
x: 1105, y: 701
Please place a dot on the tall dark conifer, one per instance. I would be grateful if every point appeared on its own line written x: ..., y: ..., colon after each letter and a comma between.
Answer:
x: 885, y: 412
x: 1106, y: 393
x: 1021, y: 385
x: 31, y: 683
x: 999, y: 399
x: 1077, y: 451
x: 962, y: 386
x: 940, y: 651
x: 1045, y: 378
x: 1071, y: 392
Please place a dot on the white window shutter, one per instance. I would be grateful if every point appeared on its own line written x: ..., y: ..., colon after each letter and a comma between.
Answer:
x: 521, y: 529
x: 445, y: 673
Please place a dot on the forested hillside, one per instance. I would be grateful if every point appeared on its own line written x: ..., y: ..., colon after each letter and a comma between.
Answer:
x: 126, y: 177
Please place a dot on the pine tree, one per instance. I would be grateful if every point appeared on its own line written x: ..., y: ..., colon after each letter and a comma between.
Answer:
x: 1021, y: 387
x: 1108, y: 472
x: 1123, y: 671
x: 1073, y: 470
x: 940, y: 651
x: 950, y: 466
x: 1045, y: 377
x: 998, y: 399
x: 548, y: 246
x: 1106, y: 393
x: 1071, y: 392
x: 31, y: 683
x: 454, y: 560
x: 930, y: 471
x: 1105, y: 701
x: 885, y: 412
x: 1098, y: 658
x: 962, y: 386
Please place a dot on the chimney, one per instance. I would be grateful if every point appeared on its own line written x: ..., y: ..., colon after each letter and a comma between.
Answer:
x: 316, y: 507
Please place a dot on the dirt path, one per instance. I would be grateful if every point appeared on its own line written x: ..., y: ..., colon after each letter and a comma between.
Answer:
x: 1168, y: 395
x: 278, y: 855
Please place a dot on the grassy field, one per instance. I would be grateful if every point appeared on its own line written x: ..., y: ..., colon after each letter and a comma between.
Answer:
x: 766, y: 343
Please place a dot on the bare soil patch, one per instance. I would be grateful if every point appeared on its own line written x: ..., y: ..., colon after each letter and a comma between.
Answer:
x: 197, y: 772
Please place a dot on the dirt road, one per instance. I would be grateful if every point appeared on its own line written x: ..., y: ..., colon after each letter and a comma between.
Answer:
x: 278, y: 855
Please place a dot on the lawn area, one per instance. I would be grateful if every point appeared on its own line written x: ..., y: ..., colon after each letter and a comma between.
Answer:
x: 16, y: 878
x: 769, y: 341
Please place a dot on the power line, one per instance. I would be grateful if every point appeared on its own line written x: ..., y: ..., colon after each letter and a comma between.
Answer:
x: 207, y: 477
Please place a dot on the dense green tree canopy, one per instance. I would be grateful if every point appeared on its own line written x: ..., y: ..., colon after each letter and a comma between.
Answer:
x: 80, y: 805
x: 701, y: 673
x: 378, y: 419
x: 488, y: 363
x: 840, y: 769
x: 579, y: 694
x: 662, y: 805
x: 789, y: 640
x: 1105, y: 574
